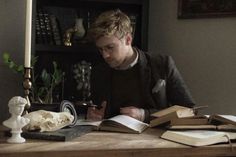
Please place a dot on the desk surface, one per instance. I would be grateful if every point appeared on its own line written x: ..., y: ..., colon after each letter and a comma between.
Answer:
x: 101, y: 144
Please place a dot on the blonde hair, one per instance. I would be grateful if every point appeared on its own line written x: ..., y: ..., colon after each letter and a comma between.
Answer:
x: 113, y: 22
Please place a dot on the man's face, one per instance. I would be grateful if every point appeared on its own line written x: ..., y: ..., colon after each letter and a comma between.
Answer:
x: 113, y: 50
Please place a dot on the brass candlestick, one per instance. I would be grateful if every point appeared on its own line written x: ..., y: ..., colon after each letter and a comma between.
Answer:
x: 27, y: 86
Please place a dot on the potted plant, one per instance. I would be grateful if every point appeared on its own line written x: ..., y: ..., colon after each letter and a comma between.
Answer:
x: 43, y: 85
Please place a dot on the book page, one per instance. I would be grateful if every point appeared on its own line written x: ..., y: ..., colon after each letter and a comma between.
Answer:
x: 88, y: 122
x: 200, y: 134
x: 186, y: 112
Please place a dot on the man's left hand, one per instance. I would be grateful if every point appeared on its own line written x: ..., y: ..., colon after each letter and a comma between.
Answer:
x: 137, y: 113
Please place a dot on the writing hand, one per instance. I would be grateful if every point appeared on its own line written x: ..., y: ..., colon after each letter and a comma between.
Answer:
x: 134, y: 112
x: 94, y: 113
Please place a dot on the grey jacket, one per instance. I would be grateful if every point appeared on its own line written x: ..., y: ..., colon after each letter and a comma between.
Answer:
x: 161, y: 83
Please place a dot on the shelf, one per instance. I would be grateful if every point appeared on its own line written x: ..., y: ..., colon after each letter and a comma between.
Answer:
x: 68, y: 54
x: 84, y: 48
x: 62, y: 15
x: 61, y: 3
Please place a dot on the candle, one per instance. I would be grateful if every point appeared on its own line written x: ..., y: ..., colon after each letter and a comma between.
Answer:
x: 28, y: 30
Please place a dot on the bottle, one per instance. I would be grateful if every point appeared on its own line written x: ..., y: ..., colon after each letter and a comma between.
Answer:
x: 79, y: 29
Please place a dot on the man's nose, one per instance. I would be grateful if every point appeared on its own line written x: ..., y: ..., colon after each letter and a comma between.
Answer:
x: 105, y: 54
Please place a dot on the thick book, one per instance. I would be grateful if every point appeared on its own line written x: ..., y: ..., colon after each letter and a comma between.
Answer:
x: 119, y: 123
x: 198, y: 137
x: 195, y: 120
x: 168, y: 114
x: 212, y: 122
x: 193, y: 127
x: 222, y: 127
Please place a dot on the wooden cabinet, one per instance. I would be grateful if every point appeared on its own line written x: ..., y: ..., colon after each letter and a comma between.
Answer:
x: 52, y: 18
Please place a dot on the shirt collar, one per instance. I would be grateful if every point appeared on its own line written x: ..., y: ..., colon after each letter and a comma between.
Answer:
x: 133, y: 63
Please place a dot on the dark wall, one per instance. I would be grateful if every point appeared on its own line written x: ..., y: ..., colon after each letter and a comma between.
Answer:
x: 12, y: 16
x: 204, y: 51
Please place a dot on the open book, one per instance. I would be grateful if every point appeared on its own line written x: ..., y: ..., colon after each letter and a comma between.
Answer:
x: 198, y: 137
x: 225, y: 119
x: 173, y: 112
x: 120, y: 123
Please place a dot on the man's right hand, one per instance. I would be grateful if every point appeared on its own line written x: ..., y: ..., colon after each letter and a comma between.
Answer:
x: 94, y: 113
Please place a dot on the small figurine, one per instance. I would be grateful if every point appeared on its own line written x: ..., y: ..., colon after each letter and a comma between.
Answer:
x: 16, y: 107
x: 68, y: 37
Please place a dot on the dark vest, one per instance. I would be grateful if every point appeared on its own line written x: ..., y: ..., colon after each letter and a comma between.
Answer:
x: 125, y: 89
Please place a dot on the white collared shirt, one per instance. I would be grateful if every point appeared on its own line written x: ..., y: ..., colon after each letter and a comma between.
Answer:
x: 132, y: 64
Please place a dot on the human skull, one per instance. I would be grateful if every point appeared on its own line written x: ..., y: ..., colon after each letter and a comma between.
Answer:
x: 48, y: 121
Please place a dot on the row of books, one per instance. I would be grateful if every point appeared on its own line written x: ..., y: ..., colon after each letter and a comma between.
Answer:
x: 47, y: 29
x: 181, y: 118
x: 51, y: 25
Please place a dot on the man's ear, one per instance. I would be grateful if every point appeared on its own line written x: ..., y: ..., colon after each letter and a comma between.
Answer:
x: 129, y: 39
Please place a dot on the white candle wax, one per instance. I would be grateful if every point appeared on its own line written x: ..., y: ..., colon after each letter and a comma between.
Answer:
x: 28, y: 31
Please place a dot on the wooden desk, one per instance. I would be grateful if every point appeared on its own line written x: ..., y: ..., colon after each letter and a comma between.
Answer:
x: 102, y: 144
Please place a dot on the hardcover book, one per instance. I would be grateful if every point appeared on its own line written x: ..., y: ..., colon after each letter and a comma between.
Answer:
x: 168, y: 114
x: 222, y: 127
x: 120, y: 123
x: 198, y: 137
x: 195, y: 120
x: 213, y: 122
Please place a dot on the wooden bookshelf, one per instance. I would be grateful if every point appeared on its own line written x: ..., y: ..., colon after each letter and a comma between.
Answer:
x: 65, y: 13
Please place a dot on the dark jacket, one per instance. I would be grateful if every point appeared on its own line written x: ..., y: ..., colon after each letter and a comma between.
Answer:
x: 161, y: 84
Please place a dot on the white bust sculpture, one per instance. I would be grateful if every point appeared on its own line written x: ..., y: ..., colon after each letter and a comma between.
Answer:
x: 16, y: 122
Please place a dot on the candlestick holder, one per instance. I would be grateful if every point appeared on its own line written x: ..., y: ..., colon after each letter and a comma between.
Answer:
x: 27, y: 86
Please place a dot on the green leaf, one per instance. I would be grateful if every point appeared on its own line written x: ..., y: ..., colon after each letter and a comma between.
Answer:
x: 6, y: 57
x: 20, y: 68
x: 46, y: 78
x: 11, y: 65
x: 34, y: 60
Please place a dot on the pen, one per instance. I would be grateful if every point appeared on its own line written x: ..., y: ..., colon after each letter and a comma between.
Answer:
x: 200, y: 107
x: 196, y: 108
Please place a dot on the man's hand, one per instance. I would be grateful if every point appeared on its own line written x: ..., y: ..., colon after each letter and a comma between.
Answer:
x: 137, y: 113
x: 94, y: 113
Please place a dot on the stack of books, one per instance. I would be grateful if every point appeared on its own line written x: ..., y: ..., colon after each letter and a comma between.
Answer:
x: 212, y: 122
x: 184, y: 118
x: 184, y: 126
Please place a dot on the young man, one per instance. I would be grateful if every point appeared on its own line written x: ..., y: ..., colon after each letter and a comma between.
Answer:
x: 131, y: 82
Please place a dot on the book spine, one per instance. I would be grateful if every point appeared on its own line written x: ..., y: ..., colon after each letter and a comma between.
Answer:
x: 39, y: 23
x: 48, y: 30
x: 55, y: 30
x: 165, y: 119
